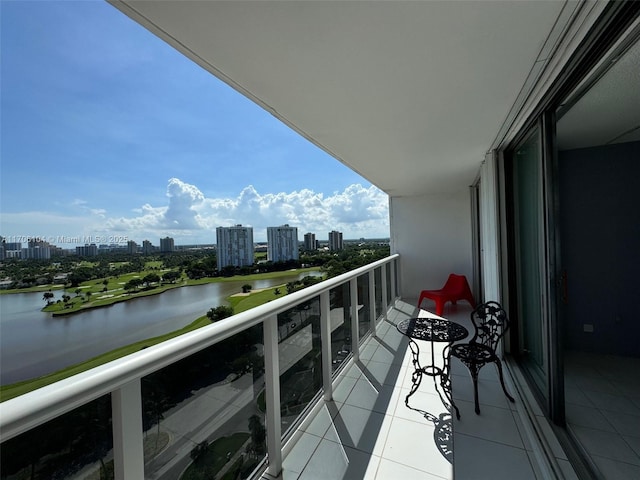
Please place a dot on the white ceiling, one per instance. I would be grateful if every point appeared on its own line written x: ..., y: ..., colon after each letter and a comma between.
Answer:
x: 609, y: 112
x: 408, y: 94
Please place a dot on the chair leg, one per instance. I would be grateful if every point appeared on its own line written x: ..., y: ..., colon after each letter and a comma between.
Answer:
x: 475, y: 394
x: 474, y: 370
x: 504, y: 389
x: 420, y: 299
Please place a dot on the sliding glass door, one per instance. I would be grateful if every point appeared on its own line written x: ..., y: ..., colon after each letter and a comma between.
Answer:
x: 529, y: 260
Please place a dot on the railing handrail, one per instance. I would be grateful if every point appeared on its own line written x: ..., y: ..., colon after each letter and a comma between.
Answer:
x: 22, y: 413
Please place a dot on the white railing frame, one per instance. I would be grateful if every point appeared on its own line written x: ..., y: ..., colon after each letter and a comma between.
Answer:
x: 122, y: 377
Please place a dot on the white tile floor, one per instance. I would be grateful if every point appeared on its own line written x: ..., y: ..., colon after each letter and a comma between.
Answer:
x: 367, y: 431
x: 603, y: 410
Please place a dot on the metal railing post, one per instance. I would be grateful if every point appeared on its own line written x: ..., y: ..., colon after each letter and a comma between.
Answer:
x: 128, y: 448
x: 272, y: 395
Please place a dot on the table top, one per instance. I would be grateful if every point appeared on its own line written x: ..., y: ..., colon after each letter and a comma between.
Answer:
x: 432, y: 329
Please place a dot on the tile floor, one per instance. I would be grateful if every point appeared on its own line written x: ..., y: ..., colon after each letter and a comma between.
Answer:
x: 367, y: 431
x: 602, y: 395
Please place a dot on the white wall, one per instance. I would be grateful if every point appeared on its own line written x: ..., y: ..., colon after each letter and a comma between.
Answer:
x: 432, y: 234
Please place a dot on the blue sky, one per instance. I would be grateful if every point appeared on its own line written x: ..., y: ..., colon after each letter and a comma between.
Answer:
x: 108, y: 132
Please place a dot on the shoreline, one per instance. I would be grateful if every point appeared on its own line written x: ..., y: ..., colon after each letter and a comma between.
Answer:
x: 82, y: 307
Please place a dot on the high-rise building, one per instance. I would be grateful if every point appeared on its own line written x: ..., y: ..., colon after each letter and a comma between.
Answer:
x: 37, y: 250
x: 335, y: 241
x: 234, y: 246
x: 132, y: 247
x: 87, y: 250
x: 167, y: 245
x: 282, y: 243
x: 147, y: 247
x: 309, y: 241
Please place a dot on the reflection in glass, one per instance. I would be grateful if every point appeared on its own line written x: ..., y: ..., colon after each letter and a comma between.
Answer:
x: 300, y: 359
x: 378, y: 290
x: 364, y: 320
x: 340, y: 318
x: 530, y: 257
x: 205, y: 413
x: 78, y: 441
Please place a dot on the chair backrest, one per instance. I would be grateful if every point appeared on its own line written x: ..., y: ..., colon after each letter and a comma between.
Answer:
x: 490, y: 322
x: 455, y: 284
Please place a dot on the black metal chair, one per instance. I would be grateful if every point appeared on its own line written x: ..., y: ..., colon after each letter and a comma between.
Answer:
x: 491, y: 323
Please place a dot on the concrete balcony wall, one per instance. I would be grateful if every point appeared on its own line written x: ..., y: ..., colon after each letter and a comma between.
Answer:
x: 433, y: 235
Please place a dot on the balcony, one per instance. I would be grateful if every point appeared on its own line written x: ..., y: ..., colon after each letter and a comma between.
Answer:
x: 327, y: 382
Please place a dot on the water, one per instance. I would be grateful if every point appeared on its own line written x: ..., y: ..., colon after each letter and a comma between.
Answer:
x: 33, y: 343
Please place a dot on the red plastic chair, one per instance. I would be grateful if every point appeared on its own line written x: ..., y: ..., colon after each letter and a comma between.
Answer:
x: 456, y: 288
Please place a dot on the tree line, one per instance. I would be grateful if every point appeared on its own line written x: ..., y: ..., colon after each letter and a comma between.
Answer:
x: 194, y: 264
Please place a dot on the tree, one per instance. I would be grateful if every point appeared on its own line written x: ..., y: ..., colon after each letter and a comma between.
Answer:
x: 246, y: 288
x: 133, y: 284
x: 258, y: 435
x: 88, y: 295
x: 198, y: 451
x: 47, y: 296
x: 171, y: 276
x: 151, y: 278
x: 218, y: 313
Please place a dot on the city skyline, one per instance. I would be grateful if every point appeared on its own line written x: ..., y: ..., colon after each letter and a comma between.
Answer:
x: 110, y: 133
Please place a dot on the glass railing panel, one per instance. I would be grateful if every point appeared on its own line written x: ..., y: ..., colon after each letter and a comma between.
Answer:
x: 204, y: 415
x: 76, y: 445
x: 299, y: 349
x: 340, y: 318
x: 378, y: 289
x: 364, y: 320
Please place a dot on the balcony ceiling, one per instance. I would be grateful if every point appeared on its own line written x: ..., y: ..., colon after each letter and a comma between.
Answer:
x: 408, y: 94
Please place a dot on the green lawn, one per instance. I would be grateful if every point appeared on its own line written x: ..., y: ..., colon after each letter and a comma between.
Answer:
x: 243, y: 303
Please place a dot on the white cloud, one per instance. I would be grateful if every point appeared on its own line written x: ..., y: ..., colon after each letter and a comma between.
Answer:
x: 190, y: 217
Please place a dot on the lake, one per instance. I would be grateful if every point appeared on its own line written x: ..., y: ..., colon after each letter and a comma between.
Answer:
x: 33, y: 343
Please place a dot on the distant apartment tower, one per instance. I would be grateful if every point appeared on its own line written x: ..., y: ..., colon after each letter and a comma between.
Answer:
x: 282, y: 243
x: 309, y: 241
x: 335, y: 241
x: 132, y: 247
x: 167, y: 245
x: 147, y: 247
x: 12, y: 249
x: 234, y: 246
x: 37, y: 250
x: 87, y: 250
